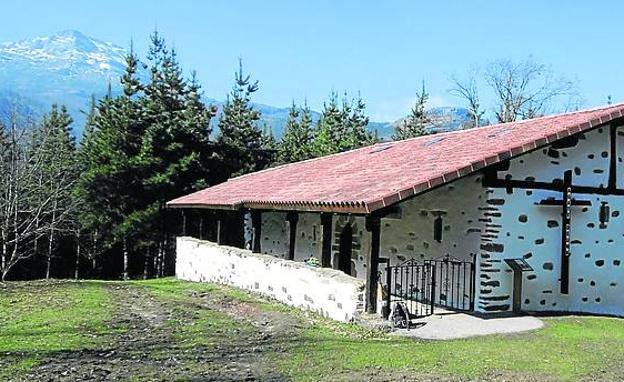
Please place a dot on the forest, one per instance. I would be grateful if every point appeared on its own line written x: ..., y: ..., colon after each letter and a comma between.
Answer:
x: 94, y: 206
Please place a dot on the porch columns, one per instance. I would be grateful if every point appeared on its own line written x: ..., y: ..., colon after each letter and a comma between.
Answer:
x: 183, y: 222
x: 373, y: 225
x: 326, y: 223
x: 256, y: 224
x: 292, y: 218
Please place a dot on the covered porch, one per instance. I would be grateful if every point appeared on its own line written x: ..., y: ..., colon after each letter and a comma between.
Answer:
x: 346, y: 243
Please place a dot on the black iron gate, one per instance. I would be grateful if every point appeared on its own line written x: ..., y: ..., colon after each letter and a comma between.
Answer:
x: 445, y: 282
x: 456, y: 283
x: 413, y: 284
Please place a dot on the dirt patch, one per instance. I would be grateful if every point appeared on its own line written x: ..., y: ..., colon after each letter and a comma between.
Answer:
x: 144, y: 344
x: 269, y: 322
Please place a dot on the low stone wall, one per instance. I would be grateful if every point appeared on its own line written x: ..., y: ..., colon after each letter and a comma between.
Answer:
x: 326, y: 291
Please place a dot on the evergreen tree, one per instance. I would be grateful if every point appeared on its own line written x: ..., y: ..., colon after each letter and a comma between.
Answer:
x: 343, y: 127
x: 147, y: 146
x: 297, y: 140
x: 111, y: 184
x: 416, y: 123
x: 240, y: 140
x: 357, y: 134
x: 327, y: 133
x: 177, y: 152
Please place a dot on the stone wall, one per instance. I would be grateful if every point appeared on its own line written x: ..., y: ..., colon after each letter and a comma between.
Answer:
x: 326, y: 291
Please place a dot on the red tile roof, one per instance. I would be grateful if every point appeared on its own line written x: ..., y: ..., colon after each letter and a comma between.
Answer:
x: 370, y: 178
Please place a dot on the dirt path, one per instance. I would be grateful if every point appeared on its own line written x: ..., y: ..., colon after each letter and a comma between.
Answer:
x: 152, y: 348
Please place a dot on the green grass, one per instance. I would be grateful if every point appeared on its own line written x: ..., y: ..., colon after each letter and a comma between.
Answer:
x: 193, y: 325
x: 40, y: 318
x: 567, y: 348
x: 53, y: 317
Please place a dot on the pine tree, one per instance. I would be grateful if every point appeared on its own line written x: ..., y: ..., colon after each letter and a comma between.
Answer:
x: 147, y: 146
x: 416, y: 123
x: 297, y: 139
x: 328, y: 129
x: 111, y: 184
x: 177, y: 152
x: 240, y: 140
x: 343, y: 127
x: 358, y: 135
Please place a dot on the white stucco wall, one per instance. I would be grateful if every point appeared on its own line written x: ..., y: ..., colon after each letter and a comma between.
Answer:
x: 533, y: 232
x: 275, y: 234
x: 309, y: 236
x: 460, y: 205
x: 588, y: 160
x: 328, y: 292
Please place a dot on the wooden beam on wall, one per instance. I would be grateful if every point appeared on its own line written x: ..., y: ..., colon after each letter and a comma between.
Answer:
x: 565, y: 232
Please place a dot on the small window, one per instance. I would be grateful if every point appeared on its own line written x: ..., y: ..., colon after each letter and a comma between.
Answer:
x: 604, y: 214
x: 437, y: 229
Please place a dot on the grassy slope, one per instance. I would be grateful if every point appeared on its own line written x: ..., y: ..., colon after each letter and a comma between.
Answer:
x: 48, y: 317
x: 66, y: 316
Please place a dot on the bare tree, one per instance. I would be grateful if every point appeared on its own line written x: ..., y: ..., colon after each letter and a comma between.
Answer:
x: 467, y: 89
x: 526, y: 89
x: 520, y: 90
x: 26, y: 203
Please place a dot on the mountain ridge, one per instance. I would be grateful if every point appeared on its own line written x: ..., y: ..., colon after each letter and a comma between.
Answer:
x: 69, y: 68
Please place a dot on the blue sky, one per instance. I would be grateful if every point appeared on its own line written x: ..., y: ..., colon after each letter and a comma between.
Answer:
x: 383, y: 49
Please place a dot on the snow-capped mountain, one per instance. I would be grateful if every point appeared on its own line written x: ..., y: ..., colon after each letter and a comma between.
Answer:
x: 67, y: 68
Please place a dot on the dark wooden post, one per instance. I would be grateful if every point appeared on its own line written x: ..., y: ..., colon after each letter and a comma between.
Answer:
x: 565, y: 232
x: 326, y: 223
x: 201, y: 225
x: 517, y: 291
x: 256, y: 223
x: 292, y: 218
x: 218, y: 229
x: 373, y: 225
x: 183, y: 222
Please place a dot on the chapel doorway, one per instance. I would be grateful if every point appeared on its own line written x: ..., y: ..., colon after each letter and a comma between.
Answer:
x: 345, y: 250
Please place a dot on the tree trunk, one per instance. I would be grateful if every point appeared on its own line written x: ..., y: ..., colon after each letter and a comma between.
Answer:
x: 161, y: 248
x: 3, y: 254
x: 163, y: 260
x: 125, y: 258
x: 77, y: 265
x: 50, y: 243
x: 155, y: 260
x: 146, y: 263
